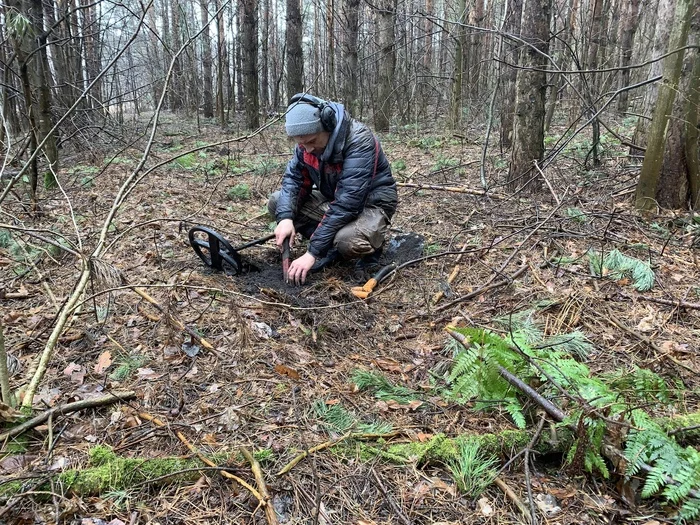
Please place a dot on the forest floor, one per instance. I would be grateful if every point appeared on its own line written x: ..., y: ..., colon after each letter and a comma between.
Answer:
x: 284, y: 356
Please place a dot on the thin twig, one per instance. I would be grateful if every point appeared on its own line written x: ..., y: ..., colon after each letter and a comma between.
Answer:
x: 484, y: 289
x: 453, y: 189
x: 392, y: 503
x: 513, y: 497
x: 270, y: 512
x: 157, y: 422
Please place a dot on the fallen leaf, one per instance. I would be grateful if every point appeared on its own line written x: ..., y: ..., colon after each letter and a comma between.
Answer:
x: 413, y: 405
x: 7, y: 413
x: 485, y: 507
x: 424, y: 437
x: 12, y: 464
x: 75, y: 372
x: 390, y: 365
x: 103, y: 362
x: 284, y: 370
x: 147, y: 373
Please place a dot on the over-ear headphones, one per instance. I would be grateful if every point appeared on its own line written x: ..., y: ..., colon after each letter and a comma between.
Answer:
x: 328, y: 120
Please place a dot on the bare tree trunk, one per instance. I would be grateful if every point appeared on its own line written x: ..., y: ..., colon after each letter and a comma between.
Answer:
x: 648, y: 186
x: 515, y: 8
x: 387, y: 64
x: 692, y: 126
x: 456, y: 101
x: 239, y: 53
x: 220, y: 63
x: 249, y: 34
x: 207, y: 81
x: 630, y: 20
x: 673, y: 189
x: 530, y: 87
x: 473, y: 63
x: 330, y: 73
x: 295, y: 55
x: 264, y: 56
x: 350, y: 62
x: 665, y: 13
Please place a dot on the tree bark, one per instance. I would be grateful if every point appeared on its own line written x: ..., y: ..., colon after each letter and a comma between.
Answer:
x: 664, y: 20
x: 207, y: 80
x: 249, y: 34
x: 295, y: 54
x: 528, y: 143
x: 515, y: 8
x: 456, y: 101
x: 648, y: 186
x: 387, y: 64
x: 630, y: 20
x: 349, y: 65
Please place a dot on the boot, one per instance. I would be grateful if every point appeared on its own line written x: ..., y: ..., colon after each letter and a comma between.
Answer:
x: 367, y: 266
x: 324, y: 262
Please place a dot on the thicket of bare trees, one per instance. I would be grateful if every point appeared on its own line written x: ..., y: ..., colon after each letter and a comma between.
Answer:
x: 72, y: 72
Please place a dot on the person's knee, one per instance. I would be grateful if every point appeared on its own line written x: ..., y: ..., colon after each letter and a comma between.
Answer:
x: 272, y: 203
x: 351, y: 244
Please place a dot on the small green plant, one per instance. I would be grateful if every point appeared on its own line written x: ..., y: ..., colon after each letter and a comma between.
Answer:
x: 660, y: 230
x: 577, y: 215
x: 672, y: 471
x: 615, y: 265
x: 432, y: 248
x: 442, y: 163
x: 239, y: 192
x: 472, y: 470
x: 381, y: 387
x: 5, y: 238
x: 87, y: 181
x: 264, y: 455
x: 398, y: 165
x: 127, y: 365
x: 339, y: 420
x: 188, y: 161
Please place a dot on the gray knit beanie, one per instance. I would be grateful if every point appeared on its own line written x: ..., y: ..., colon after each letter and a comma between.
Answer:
x: 303, y: 119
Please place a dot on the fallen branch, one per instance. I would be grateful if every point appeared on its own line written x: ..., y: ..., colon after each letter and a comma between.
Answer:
x: 651, y: 344
x: 454, y: 189
x: 392, y: 503
x: 453, y: 275
x: 66, y: 409
x: 179, y: 324
x: 514, y: 498
x: 484, y: 289
x: 667, y: 302
x: 270, y: 512
x: 289, y: 466
x: 157, y: 422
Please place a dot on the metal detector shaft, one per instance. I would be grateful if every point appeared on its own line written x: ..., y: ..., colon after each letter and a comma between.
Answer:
x: 254, y: 242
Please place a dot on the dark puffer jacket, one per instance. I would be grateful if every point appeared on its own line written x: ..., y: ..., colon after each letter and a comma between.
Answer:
x: 352, y: 173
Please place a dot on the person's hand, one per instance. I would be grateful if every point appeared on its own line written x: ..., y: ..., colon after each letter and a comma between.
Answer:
x: 285, y: 229
x: 300, y: 268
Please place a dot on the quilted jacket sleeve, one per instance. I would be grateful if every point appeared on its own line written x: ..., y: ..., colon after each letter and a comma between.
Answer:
x: 296, y: 187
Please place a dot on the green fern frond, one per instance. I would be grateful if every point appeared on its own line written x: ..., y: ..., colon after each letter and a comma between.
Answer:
x: 515, y: 410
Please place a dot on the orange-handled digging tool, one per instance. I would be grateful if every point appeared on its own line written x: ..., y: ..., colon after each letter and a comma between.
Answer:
x: 285, y: 259
x: 362, y: 292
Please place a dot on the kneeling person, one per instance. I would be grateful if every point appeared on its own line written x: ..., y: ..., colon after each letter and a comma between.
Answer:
x: 337, y: 190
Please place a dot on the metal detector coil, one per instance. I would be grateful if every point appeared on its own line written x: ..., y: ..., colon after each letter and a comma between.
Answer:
x: 216, y: 252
